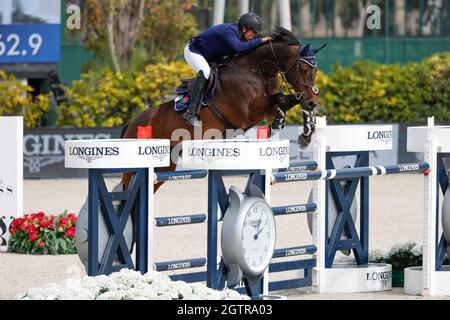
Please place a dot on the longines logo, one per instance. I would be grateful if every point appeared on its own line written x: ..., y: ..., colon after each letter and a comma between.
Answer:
x: 384, y: 277
x: 279, y: 153
x: 296, y: 176
x: 211, y: 154
x: 91, y: 153
x: 409, y: 167
x: 384, y: 136
x: 158, y: 152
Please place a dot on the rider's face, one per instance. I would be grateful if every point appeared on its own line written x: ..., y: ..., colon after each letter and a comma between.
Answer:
x: 249, y: 34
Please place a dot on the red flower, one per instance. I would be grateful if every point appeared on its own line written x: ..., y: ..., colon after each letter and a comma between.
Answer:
x: 63, y: 221
x: 70, y: 232
x: 72, y: 217
x: 12, y: 231
x: 43, y: 223
x: 24, y: 226
x: 41, y: 244
x: 32, y: 236
x: 32, y: 228
x: 17, y: 222
x: 50, y: 224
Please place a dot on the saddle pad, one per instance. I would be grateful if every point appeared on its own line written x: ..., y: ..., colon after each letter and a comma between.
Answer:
x: 181, y: 102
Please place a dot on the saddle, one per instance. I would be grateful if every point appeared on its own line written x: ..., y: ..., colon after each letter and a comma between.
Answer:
x: 184, y: 90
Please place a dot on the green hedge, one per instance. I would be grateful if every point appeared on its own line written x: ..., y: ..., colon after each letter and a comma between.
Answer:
x: 16, y: 100
x: 113, y: 99
x: 363, y: 92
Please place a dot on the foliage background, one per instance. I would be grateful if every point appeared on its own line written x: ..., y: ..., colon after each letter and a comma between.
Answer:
x: 16, y: 99
x: 364, y: 92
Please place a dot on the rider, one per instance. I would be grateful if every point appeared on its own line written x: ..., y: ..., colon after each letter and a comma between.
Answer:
x: 211, y: 45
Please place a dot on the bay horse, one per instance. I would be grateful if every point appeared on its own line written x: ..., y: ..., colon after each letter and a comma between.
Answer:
x: 247, y: 91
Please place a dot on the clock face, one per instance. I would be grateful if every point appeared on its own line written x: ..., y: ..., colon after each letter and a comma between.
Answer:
x: 258, y: 237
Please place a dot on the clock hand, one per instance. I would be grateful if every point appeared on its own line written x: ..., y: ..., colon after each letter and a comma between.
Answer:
x: 260, y: 231
x: 259, y: 223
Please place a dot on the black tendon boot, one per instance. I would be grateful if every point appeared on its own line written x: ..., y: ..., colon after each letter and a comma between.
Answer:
x: 279, y: 122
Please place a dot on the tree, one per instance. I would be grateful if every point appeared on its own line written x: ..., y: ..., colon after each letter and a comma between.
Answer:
x: 129, y: 33
x: 167, y: 27
x: 123, y: 23
x: 118, y: 22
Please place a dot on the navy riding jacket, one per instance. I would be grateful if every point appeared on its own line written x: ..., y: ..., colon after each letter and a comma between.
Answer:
x: 221, y: 40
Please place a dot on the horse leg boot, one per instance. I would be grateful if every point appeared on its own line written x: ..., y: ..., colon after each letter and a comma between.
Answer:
x: 279, y: 121
x: 308, y: 129
x: 191, y: 114
x: 308, y: 124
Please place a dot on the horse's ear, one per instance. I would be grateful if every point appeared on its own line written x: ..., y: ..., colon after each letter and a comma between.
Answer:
x: 305, y: 49
x: 320, y: 48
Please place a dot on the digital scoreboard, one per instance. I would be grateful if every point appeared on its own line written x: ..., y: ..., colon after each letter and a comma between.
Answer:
x: 30, y: 43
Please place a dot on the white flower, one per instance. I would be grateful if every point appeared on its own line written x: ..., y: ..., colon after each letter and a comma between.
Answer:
x: 377, y: 254
x: 417, y: 250
x: 127, y: 285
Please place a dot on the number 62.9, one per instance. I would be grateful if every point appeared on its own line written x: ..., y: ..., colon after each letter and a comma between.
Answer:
x: 34, y: 41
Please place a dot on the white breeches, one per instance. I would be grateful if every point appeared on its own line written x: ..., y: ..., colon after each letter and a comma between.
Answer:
x: 197, y: 62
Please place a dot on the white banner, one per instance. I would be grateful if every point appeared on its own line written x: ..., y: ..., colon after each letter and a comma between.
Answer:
x: 235, y: 154
x: 11, y: 174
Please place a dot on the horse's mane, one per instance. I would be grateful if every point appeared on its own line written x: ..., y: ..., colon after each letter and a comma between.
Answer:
x: 280, y: 34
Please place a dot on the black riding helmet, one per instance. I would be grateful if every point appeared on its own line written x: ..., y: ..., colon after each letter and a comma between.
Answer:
x: 250, y: 21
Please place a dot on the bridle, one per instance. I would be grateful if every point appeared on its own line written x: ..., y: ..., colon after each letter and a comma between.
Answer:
x: 298, y: 94
x: 308, y: 105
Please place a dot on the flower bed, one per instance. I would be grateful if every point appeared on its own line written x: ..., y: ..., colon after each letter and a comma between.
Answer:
x: 39, y: 233
x: 400, y: 256
x: 127, y: 285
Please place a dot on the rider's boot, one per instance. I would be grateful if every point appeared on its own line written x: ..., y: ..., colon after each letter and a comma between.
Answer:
x: 191, y: 114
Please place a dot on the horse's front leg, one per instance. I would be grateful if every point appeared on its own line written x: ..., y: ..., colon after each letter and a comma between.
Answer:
x: 309, y: 127
x: 282, y: 103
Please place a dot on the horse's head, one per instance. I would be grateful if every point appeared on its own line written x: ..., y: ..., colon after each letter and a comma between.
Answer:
x: 300, y: 66
x: 302, y: 75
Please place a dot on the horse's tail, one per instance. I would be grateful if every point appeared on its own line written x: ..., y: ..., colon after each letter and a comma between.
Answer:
x: 122, y: 133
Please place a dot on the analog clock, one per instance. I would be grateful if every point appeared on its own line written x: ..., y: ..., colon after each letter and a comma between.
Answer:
x: 248, y: 235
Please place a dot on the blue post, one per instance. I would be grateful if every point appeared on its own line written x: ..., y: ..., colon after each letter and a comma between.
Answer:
x: 343, y: 198
x: 212, y: 276
x: 142, y: 221
x: 442, y: 183
x: 93, y: 225
x: 115, y: 222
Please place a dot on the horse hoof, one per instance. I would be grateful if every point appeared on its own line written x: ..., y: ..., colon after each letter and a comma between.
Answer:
x: 304, y: 141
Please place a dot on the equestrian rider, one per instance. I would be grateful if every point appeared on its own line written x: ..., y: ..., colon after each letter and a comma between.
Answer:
x: 211, y: 45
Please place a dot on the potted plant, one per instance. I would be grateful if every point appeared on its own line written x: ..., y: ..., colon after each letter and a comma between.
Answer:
x: 38, y: 233
x: 401, y: 256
